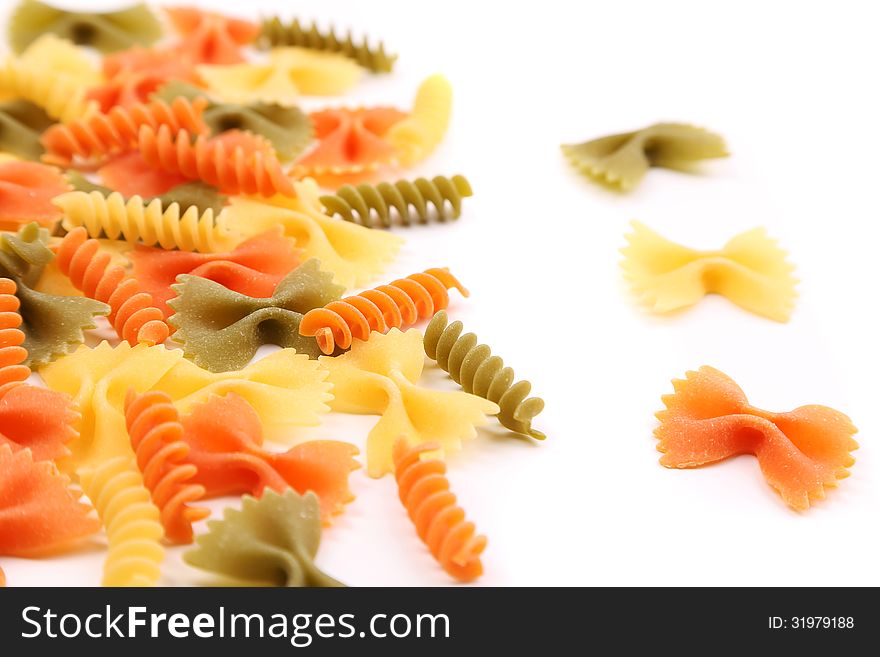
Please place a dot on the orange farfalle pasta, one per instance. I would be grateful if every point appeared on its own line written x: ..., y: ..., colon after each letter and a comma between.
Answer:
x: 130, y: 176
x: 225, y: 438
x: 30, y: 417
x: 236, y: 162
x: 26, y: 193
x: 211, y: 38
x: 156, y: 437
x: 132, y: 311
x: 397, y: 305
x: 350, y: 141
x: 100, y: 135
x: 439, y: 521
x: 39, y: 513
x: 254, y: 267
x: 709, y: 419
x: 134, y: 75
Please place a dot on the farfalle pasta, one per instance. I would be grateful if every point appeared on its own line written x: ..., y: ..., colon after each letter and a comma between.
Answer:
x: 52, y: 324
x: 473, y: 366
x: 276, y: 33
x: 39, y: 512
x: 285, y: 388
x: 60, y: 91
x: 210, y: 38
x: 750, y: 270
x: 225, y: 440
x: 709, y: 419
x: 621, y: 161
x: 418, y: 135
x: 108, y: 31
x: 133, y: 76
x: 399, y: 304
x: 57, y: 55
x: 21, y: 124
x: 424, y: 490
x: 170, y: 227
x: 130, y: 175
x: 408, y: 201
x: 220, y: 329
x: 254, y: 268
x: 379, y: 376
x: 354, y: 254
x: 288, y: 74
x: 26, y: 193
x: 195, y: 194
x: 272, y: 541
x: 350, y: 142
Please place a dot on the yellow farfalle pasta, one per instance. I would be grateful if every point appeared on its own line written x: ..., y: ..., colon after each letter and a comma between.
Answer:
x: 379, y: 376
x: 418, y: 135
x: 54, y: 54
x: 99, y: 379
x: 354, y: 254
x: 130, y: 519
x: 285, y: 388
x: 131, y: 220
x: 750, y: 270
x: 60, y: 91
x: 289, y: 73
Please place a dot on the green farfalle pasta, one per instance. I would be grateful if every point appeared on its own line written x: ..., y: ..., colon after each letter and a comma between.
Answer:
x: 115, y: 30
x: 221, y: 330
x: 21, y: 124
x: 375, y: 205
x: 621, y: 161
x: 288, y: 128
x: 473, y: 366
x: 196, y: 193
x: 274, y: 32
x: 82, y: 184
x: 53, y: 325
x: 272, y: 540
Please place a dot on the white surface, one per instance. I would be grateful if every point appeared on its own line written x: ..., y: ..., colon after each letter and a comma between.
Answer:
x: 792, y: 86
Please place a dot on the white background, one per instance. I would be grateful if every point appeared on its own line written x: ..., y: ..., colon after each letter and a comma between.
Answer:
x: 792, y: 86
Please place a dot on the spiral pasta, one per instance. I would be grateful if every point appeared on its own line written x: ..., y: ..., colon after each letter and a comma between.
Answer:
x: 479, y: 372
x: 101, y: 134
x: 156, y: 434
x: 440, y: 523
x: 418, y: 135
x: 241, y: 170
x: 12, y: 355
x: 274, y: 32
x: 114, y: 217
x: 132, y: 312
x: 130, y: 520
x: 372, y: 205
x: 401, y: 303
x: 61, y: 95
